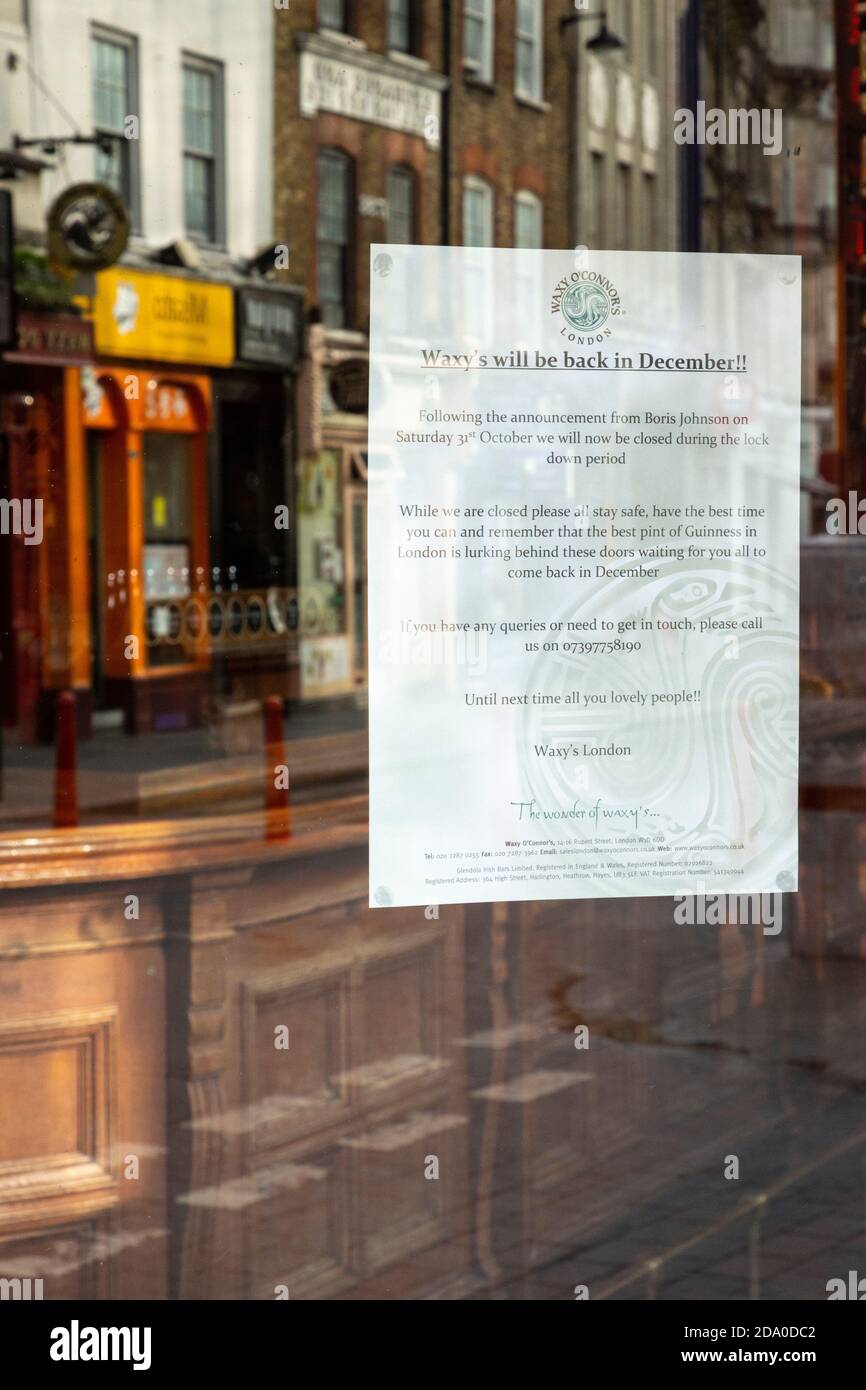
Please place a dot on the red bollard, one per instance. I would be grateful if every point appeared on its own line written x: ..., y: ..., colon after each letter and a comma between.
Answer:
x: 65, y: 771
x: 277, y: 822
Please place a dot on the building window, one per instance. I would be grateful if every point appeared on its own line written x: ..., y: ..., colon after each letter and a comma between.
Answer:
x: 528, y: 221
x: 596, y: 175
x: 626, y: 28
x: 528, y: 65
x: 623, y: 204
x: 650, y: 19
x: 333, y: 14
x: 651, y: 212
x: 114, y: 75
x: 403, y: 26
x: 333, y: 236
x: 477, y: 212
x: 202, y: 149
x: 401, y: 206
x: 478, y: 20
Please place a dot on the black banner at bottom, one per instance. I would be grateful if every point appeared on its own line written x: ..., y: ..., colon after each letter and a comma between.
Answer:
x: 65, y: 1339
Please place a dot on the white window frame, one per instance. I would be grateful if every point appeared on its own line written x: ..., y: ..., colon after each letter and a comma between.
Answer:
x: 536, y: 38
x: 215, y: 70
x: 129, y: 149
x: 484, y: 12
x: 525, y: 198
x: 474, y: 183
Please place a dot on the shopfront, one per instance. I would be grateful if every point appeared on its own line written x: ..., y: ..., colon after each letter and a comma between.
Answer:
x: 43, y: 575
x: 147, y: 431
x: 253, y: 522
x: 148, y: 546
x: 192, y: 554
x: 157, y: 430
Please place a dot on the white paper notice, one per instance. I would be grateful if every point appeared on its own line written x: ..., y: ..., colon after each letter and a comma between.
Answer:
x: 583, y: 574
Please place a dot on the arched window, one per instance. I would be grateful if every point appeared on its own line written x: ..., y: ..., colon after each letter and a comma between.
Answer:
x: 528, y: 220
x: 477, y: 212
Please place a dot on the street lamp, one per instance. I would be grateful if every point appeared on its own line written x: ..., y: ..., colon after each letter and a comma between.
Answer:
x: 605, y: 40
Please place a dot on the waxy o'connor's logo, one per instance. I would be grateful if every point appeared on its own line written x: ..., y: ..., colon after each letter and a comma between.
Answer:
x: 587, y: 300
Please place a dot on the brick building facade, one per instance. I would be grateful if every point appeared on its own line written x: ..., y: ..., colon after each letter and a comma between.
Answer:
x: 509, y: 121
x: 474, y: 122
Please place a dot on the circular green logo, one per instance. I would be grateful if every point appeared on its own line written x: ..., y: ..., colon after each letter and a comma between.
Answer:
x: 586, y: 306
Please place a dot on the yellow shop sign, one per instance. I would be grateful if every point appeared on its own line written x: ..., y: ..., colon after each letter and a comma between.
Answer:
x: 164, y: 317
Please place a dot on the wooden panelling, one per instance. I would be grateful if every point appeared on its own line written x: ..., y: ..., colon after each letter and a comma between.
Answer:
x: 330, y: 1137
x: 72, y: 1261
x: 299, y: 1233
x: 57, y: 1078
x: 289, y: 1092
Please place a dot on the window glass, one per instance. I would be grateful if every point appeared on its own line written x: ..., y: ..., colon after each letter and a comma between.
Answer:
x: 623, y: 204
x: 401, y: 205
x: 530, y: 14
x: 225, y: 1076
x: 650, y: 18
x: 528, y: 220
x: 477, y: 213
x: 597, y: 210
x: 200, y: 137
x: 332, y: 14
x: 401, y: 25
x: 167, y: 556
x: 478, y: 20
x: 333, y: 236
x: 112, y: 66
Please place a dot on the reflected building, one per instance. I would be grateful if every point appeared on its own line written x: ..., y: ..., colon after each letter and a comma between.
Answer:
x: 625, y: 166
x: 150, y: 405
x: 777, y: 59
x: 249, y: 1084
x: 358, y: 121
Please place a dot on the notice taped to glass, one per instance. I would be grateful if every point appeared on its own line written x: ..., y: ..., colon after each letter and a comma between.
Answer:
x: 583, y: 574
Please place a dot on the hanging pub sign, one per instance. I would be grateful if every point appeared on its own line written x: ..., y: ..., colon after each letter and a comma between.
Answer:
x: 350, y: 385
x: 268, y: 326
x: 88, y: 227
